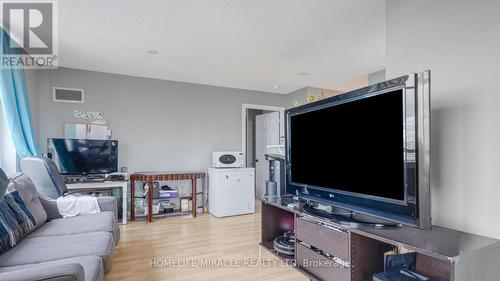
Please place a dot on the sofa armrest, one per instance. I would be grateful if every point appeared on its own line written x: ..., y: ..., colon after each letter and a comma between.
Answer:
x: 109, y: 204
x: 50, y: 207
x: 58, y: 272
x: 106, y: 203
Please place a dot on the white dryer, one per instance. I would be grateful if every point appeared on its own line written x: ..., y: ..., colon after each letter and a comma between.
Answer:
x: 231, y: 191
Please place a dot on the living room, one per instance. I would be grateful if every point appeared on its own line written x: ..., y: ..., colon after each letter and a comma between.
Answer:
x: 179, y: 140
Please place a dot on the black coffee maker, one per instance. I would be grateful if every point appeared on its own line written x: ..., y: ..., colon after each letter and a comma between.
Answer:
x: 275, y: 185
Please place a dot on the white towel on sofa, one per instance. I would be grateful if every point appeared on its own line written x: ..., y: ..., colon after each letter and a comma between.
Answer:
x: 74, y: 205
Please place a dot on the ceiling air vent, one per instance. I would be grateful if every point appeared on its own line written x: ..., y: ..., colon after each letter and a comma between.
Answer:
x: 68, y: 95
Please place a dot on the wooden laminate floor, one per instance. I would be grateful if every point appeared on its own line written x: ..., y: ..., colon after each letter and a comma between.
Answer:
x: 230, y: 245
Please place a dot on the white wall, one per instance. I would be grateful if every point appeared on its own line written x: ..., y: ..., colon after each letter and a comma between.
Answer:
x: 8, y: 156
x: 160, y: 125
x: 459, y: 42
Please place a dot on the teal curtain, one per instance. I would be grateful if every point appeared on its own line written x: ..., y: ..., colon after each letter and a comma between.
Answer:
x: 16, y: 107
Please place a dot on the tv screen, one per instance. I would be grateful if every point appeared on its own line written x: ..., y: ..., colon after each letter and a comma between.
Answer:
x: 353, y: 147
x: 366, y: 151
x: 84, y: 156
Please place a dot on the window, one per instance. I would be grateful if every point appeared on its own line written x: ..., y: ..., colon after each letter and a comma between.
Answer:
x: 8, y: 157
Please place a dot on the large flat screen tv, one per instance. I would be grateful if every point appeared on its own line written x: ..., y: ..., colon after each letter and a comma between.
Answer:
x: 366, y: 150
x: 84, y: 156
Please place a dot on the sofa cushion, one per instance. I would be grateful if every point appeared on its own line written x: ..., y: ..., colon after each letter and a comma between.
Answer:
x: 50, y: 248
x: 22, y: 184
x: 92, y: 266
x: 104, y: 221
x: 16, y: 220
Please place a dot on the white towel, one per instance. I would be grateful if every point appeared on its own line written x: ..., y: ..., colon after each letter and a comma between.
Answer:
x: 74, y: 205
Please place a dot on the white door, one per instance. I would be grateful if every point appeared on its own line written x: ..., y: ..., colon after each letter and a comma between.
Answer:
x: 267, y: 132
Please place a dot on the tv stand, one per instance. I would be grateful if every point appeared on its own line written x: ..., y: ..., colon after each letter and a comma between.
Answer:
x: 83, y: 178
x: 358, y: 252
x: 347, y: 218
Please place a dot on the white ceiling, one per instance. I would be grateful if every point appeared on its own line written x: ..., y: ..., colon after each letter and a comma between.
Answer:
x: 246, y: 44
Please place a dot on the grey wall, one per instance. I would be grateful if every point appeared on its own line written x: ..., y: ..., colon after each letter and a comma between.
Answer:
x: 458, y: 41
x: 161, y: 125
x: 376, y: 77
x: 300, y: 95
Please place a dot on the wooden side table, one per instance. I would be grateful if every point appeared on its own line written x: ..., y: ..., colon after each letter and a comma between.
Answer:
x: 150, y: 177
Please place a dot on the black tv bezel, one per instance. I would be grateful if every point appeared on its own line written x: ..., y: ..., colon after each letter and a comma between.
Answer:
x: 84, y: 173
x: 414, y: 210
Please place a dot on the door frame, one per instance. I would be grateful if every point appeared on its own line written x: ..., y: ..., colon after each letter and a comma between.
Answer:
x: 244, y: 108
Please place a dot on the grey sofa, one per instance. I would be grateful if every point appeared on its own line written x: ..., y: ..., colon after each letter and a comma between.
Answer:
x: 45, y: 175
x: 61, y: 249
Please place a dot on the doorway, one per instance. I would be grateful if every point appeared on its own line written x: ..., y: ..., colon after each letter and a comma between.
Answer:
x: 263, y: 127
